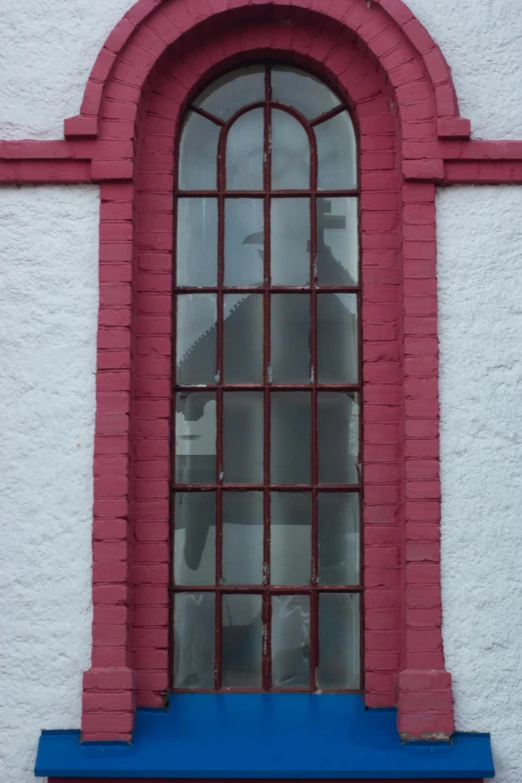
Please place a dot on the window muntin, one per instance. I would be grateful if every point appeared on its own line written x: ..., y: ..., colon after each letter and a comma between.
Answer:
x: 266, y: 475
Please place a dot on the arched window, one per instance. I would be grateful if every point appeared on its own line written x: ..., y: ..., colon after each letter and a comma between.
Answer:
x: 266, y: 476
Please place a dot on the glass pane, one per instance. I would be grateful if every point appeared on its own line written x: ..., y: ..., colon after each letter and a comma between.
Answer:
x: 196, y: 258
x: 243, y: 437
x: 242, y: 641
x: 338, y: 419
x: 304, y: 92
x: 337, y: 357
x: 194, y: 640
x: 337, y: 241
x: 194, y: 538
x: 198, y: 153
x: 338, y: 538
x: 290, y: 538
x: 196, y: 338
x: 245, y: 152
x: 233, y: 91
x: 244, y: 238
x: 336, y: 153
x: 242, y: 538
x: 196, y: 438
x: 290, y: 241
x: 243, y: 338
x: 290, y: 438
x: 339, y: 641
x: 290, y: 153
x: 290, y: 641
x: 290, y: 338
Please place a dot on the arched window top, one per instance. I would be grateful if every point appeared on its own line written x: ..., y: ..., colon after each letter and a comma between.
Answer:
x: 272, y: 128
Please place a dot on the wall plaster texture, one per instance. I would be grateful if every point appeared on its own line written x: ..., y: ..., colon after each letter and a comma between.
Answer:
x: 48, y: 307
x: 48, y: 247
x: 480, y: 331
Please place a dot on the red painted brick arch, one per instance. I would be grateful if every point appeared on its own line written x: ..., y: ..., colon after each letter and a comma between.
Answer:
x: 139, y: 102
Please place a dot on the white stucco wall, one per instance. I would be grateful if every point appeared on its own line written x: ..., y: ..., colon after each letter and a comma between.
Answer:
x: 49, y: 299
x: 480, y: 283
x: 48, y: 256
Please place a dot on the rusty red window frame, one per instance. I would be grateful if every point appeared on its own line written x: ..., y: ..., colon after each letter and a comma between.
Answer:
x: 267, y: 590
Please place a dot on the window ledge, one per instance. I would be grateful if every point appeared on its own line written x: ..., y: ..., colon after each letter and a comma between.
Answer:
x: 265, y: 736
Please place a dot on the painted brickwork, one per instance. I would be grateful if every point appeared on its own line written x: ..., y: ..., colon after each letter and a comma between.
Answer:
x: 411, y: 138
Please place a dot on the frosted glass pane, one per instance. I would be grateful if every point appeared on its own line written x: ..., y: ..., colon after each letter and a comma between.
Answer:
x: 337, y: 356
x: 194, y: 640
x: 338, y: 420
x: 196, y: 257
x: 337, y: 241
x: 198, y: 153
x: 302, y: 91
x: 290, y: 241
x: 196, y: 338
x: 243, y: 338
x: 290, y: 441
x: 233, y: 91
x: 243, y: 437
x: 339, y: 642
x: 290, y: 338
x: 339, y: 545
x: 244, y: 238
x: 242, y: 538
x: 290, y: 641
x: 242, y: 641
x: 245, y: 152
x: 290, y: 538
x: 290, y: 153
x: 194, y: 538
x: 337, y: 153
x: 196, y: 438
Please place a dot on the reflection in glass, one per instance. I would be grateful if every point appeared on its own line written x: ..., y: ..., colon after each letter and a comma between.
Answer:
x: 302, y: 91
x: 194, y: 640
x: 196, y: 339
x: 290, y: 241
x: 233, y: 91
x: 243, y: 437
x: 290, y: 338
x: 242, y: 538
x: 290, y: 153
x: 242, y: 641
x: 290, y: 641
x: 198, y: 153
x: 338, y: 421
x: 290, y: 538
x: 290, y: 437
x: 337, y: 241
x: 337, y: 153
x: 195, y: 438
x: 337, y: 359
x: 338, y: 514
x: 194, y: 538
x: 244, y: 238
x: 196, y: 257
x: 339, y: 641
x: 243, y: 338
x: 245, y: 152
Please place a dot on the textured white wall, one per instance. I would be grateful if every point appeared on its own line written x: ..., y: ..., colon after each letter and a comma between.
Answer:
x: 48, y: 306
x: 480, y: 283
x: 48, y: 248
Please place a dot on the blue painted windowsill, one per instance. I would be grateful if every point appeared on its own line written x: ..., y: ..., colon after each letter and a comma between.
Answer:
x: 265, y: 736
